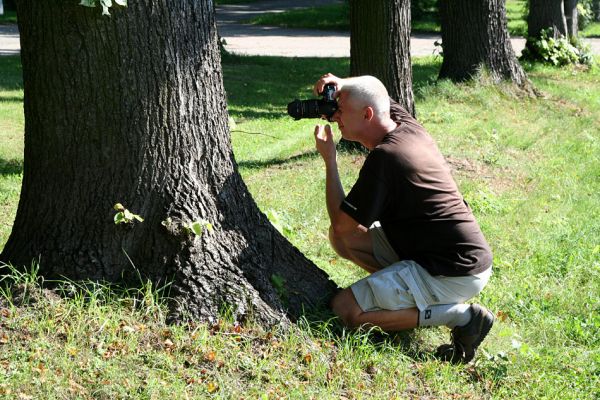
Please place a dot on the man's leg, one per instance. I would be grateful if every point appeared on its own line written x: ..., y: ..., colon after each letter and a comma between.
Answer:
x: 356, y: 247
x: 346, y: 307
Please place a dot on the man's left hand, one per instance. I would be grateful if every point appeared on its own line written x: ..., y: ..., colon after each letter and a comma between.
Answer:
x: 325, y: 143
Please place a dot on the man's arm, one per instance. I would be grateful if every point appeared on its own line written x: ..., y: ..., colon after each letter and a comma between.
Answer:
x: 341, y: 222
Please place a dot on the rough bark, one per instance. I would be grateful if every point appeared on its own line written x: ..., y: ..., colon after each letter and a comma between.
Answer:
x: 380, y: 45
x: 475, y: 35
x: 545, y: 14
x: 131, y: 108
x: 571, y: 17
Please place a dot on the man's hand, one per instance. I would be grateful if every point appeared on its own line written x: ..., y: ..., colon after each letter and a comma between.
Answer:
x: 325, y: 143
x: 328, y: 78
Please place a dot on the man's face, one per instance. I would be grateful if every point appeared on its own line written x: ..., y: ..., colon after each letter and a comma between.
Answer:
x: 349, y: 118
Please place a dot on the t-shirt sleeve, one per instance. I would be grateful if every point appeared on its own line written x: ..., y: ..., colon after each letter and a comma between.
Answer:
x: 366, y: 200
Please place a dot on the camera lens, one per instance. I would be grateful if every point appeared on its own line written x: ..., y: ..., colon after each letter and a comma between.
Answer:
x: 294, y: 109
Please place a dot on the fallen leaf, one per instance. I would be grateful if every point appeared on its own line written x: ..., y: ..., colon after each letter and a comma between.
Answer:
x: 501, y: 315
x: 212, y: 387
x: 307, y: 358
x: 210, y: 356
x: 3, y: 338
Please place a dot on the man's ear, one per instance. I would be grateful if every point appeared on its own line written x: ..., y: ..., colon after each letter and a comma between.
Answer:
x: 369, y: 113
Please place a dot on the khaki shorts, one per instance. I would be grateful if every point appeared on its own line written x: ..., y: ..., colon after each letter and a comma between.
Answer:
x: 405, y: 284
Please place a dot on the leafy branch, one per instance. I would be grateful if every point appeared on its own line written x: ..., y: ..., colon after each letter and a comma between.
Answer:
x: 106, y: 4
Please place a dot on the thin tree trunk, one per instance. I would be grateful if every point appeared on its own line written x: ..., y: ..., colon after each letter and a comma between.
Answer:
x: 545, y: 14
x: 380, y: 45
x: 571, y: 17
x: 475, y: 36
x: 131, y: 109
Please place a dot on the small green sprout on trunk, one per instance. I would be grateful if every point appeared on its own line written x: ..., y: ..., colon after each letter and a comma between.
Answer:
x: 124, y: 216
x: 198, y: 227
x: 194, y: 228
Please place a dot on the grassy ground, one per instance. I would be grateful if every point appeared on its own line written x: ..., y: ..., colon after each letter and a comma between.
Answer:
x: 9, y: 17
x: 336, y: 17
x: 529, y: 167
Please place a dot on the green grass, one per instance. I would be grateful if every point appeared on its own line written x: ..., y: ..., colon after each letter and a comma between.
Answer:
x: 330, y: 17
x: 9, y: 17
x: 11, y: 141
x: 529, y: 167
x: 222, y: 2
x: 517, y: 19
x: 592, y: 30
x: 336, y: 17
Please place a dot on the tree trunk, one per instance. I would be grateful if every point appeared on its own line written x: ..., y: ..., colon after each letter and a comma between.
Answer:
x: 475, y: 35
x: 571, y: 18
x: 596, y: 9
x: 380, y: 46
x: 545, y: 14
x: 131, y: 109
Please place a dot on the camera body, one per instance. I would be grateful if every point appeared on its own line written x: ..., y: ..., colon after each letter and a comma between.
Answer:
x: 315, y: 108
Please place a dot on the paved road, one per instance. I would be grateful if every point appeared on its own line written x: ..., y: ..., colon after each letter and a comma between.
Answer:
x: 9, y: 40
x: 248, y: 39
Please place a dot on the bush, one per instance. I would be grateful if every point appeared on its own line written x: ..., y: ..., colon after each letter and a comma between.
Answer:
x: 585, y: 13
x: 557, y: 50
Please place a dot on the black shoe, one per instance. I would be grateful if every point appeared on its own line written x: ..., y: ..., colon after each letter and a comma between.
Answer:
x: 466, y: 339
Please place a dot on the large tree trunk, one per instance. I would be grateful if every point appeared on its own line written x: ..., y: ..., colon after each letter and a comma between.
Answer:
x: 571, y: 17
x: 380, y: 45
x: 545, y: 14
x: 475, y: 35
x: 131, y: 108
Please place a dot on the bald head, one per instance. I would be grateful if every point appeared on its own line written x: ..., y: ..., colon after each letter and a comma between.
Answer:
x: 367, y: 91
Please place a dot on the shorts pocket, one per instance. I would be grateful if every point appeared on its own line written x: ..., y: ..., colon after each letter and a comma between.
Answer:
x: 390, y: 292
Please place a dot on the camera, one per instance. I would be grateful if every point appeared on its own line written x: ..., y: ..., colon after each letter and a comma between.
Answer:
x: 315, y: 108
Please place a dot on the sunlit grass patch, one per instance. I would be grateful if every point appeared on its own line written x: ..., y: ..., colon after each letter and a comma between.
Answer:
x: 528, y: 166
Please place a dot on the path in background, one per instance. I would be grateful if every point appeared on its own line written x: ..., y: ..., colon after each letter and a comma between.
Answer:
x: 249, y: 39
x: 9, y: 40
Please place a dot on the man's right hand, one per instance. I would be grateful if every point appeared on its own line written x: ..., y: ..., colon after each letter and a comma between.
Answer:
x: 324, y: 80
x: 325, y: 143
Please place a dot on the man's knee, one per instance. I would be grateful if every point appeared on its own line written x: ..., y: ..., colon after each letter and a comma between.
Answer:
x: 338, y: 244
x: 344, y: 305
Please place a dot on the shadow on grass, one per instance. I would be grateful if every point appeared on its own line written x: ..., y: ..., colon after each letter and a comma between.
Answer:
x: 255, y: 114
x: 11, y: 167
x: 250, y: 164
x: 268, y: 83
x: 10, y: 99
x: 425, y: 74
x: 324, y: 324
x: 11, y: 73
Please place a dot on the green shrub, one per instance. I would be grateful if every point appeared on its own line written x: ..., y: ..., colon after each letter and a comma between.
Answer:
x: 557, y: 51
x: 585, y: 13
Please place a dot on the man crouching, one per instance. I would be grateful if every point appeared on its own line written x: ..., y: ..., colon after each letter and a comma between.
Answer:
x: 405, y: 222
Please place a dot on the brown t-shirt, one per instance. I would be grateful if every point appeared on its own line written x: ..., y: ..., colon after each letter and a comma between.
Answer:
x: 406, y: 184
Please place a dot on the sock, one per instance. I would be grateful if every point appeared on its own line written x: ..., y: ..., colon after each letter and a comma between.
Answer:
x: 450, y: 315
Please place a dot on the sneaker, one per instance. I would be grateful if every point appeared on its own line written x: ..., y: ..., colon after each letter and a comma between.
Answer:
x: 466, y: 339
